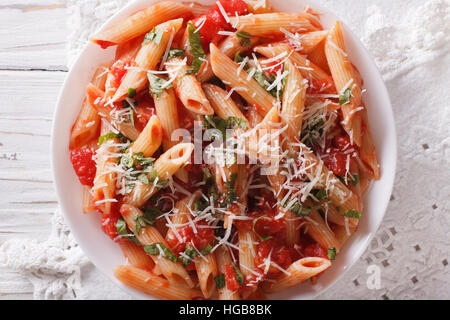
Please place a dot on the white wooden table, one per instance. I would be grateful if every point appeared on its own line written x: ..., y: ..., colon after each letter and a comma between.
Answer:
x: 32, y: 70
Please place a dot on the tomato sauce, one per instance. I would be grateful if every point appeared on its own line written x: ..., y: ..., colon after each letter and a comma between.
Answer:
x: 279, y: 254
x: 230, y: 277
x: 213, y: 22
x: 199, y: 240
x: 337, y: 154
x: 109, y: 221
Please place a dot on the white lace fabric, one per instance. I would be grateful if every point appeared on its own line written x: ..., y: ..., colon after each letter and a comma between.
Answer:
x: 411, y: 248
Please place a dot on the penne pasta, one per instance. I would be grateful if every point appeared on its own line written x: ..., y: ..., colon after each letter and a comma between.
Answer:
x: 188, y: 88
x: 147, y: 58
x: 165, y: 166
x: 345, y: 79
x: 139, y: 23
x: 268, y: 24
x: 281, y: 159
x: 249, y: 89
x: 229, y: 47
x: 136, y: 255
x: 151, y: 284
x: 298, y: 272
x: 148, y: 235
x: 315, y: 75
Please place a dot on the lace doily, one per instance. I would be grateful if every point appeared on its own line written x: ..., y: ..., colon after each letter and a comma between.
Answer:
x: 410, y: 251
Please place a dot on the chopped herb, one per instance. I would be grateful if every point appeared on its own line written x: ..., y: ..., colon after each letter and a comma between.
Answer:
x: 220, y: 281
x: 319, y: 194
x: 345, y: 97
x: 155, y: 249
x: 131, y: 92
x: 215, y: 122
x: 331, y: 252
x: 244, y: 38
x: 121, y: 228
x: 238, y: 58
x: 239, y: 276
x: 155, y: 35
x: 265, y: 82
x: 191, y: 252
x: 149, y: 216
x: 157, y: 85
x: 300, y: 210
x: 195, y: 42
x: 350, y: 213
x: 263, y: 238
x: 173, y: 53
x: 312, y: 132
x: 130, y: 160
x: 355, y: 180
x: 200, y: 205
x: 109, y: 135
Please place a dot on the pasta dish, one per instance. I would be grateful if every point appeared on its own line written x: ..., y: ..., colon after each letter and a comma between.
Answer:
x: 227, y: 149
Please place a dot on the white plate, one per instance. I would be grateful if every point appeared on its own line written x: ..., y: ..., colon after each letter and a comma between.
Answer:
x: 106, y: 254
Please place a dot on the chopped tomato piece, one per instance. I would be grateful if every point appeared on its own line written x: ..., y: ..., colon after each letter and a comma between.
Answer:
x: 230, y: 278
x: 279, y: 254
x: 109, y: 222
x: 84, y: 165
x: 315, y: 250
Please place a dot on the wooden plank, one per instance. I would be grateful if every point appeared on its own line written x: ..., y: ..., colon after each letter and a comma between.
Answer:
x: 33, y: 35
x: 28, y: 196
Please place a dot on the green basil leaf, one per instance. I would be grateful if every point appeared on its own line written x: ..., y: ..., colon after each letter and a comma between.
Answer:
x: 154, y: 250
x: 239, y: 276
x: 244, y: 38
x: 174, y: 53
x: 206, y: 250
x: 345, y: 97
x: 263, y: 238
x: 299, y: 210
x: 155, y: 35
x: 350, y: 213
x: 220, y: 281
x: 195, y: 42
x: 238, y: 58
x: 157, y: 85
x: 131, y: 92
x: 105, y: 137
x: 331, y: 252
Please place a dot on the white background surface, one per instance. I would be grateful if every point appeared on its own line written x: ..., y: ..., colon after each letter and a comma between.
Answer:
x: 411, y: 248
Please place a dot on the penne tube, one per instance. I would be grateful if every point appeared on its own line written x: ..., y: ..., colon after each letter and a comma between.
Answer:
x: 309, y: 71
x: 153, y: 285
x: 88, y: 202
x: 309, y: 41
x: 229, y: 47
x: 222, y: 104
x: 269, y: 24
x: 94, y: 96
x: 165, y: 166
x: 318, y: 57
x: 167, y: 112
x: 298, y: 272
x: 188, y: 88
x: 258, y: 6
x: 248, y: 242
x: 147, y: 58
x: 139, y: 23
x: 104, y: 189
x: 206, y: 268
x: 367, y: 151
x: 223, y: 258
x: 344, y: 79
x: 149, y: 139
x: 293, y: 104
x: 320, y: 232
x: 87, y: 123
x: 128, y: 50
x: 332, y: 214
x: 229, y: 72
x: 136, y: 255
x: 148, y: 235
x: 342, y: 234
